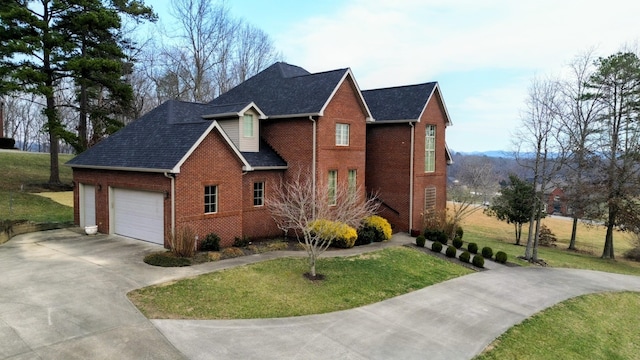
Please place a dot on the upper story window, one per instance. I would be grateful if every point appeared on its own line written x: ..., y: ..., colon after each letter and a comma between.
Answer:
x: 342, y: 134
x: 211, y: 199
x: 247, y: 126
x: 430, y: 149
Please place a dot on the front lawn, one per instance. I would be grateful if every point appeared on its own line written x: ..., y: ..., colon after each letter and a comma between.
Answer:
x: 277, y: 288
x: 599, y: 326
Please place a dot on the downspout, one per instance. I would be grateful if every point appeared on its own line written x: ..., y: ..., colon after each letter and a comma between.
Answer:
x: 313, y: 167
x: 413, y: 131
x: 173, y: 204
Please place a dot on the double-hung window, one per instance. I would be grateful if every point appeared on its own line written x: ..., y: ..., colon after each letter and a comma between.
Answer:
x: 258, y: 194
x: 247, y: 126
x: 342, y: 134
x: 430, y: 149
x: 211, y: 199
x: 353, y: 185
x: 333, y: 184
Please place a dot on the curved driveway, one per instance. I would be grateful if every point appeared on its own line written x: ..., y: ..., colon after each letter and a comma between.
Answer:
x: 63, y: 296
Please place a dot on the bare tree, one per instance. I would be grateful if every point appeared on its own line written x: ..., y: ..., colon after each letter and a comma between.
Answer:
x: 540, y: 150
x: 296, y: 206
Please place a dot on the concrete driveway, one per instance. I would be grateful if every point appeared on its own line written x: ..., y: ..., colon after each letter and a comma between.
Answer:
x: 63, y: 296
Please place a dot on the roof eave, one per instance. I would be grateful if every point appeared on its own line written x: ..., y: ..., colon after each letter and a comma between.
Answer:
x: 362, y: 101
x: 289, y: 116
x: 403, y: 121
x: 123, y: 168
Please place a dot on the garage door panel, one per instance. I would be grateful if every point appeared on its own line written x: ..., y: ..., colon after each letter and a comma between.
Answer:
x: 139, y: 214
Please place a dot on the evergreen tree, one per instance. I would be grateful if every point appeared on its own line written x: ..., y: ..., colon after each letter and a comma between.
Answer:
x: 45, y: 42
x: 514, y: 204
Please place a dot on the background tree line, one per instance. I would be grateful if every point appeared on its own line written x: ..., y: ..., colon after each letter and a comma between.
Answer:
x: 75, y: 71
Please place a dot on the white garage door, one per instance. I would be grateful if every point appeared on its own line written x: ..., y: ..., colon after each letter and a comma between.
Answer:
x: 88, y: 205
x: 139, y: 214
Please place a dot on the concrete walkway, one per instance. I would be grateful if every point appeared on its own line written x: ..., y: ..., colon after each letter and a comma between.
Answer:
x: 63, y: 296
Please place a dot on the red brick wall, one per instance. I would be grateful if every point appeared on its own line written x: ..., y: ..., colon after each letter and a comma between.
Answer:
x: 212, y: 163
x: 345, y: 108
x: 103, y: 179
x: 388, y: 163
x: 433, y: 115
x: 256, y: 220
x: 292, y: 139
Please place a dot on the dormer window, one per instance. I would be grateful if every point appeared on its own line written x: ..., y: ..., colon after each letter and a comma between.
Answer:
x: 247, y: 125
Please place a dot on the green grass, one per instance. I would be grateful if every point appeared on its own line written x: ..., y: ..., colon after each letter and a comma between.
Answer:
x: 24, y: 173
x: 598, y: 326
x: 277, y: 288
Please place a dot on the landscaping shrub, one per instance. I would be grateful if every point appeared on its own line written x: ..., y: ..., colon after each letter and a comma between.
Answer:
x: 241, y: 242
x: 379, y: 226
x: 436, y: 246
x: 210, y: 243
x: 546, y: 237
x: 473, y: 248
x: 420, y: 241
x: 487, y: 252
x: 184, y: 242
x: 436, y: 235
x: 366, y: 235
x: 166, y: 259
x: 501, y: 257
x: 633, y: 254
x: 451, y: 251
x: 278, y: 245
x: 459, y: 233
x: 232, y: 252
x: 478, y: 261
x: 457, y: 243
x: 465, y: 257
x: 343, y: 235
x: 214, y: 256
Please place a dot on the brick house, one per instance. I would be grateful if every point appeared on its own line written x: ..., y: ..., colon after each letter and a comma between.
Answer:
x: 407, y: 155
x: 210, y: 166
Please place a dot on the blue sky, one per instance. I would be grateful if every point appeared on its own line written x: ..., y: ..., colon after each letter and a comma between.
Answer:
x: 483, y: 53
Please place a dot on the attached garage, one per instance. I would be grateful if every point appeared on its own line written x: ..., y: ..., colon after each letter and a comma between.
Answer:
x: 138, y: 214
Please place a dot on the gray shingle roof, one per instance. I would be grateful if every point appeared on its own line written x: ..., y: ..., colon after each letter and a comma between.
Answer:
x: 403, y: 103
x: 161, y: 138
x: 284, y: 90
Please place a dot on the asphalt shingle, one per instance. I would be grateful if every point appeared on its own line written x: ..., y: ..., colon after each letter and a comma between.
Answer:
x: 403, y: 103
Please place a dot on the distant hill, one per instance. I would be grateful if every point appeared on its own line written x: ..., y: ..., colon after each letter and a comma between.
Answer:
x: 491, y: 153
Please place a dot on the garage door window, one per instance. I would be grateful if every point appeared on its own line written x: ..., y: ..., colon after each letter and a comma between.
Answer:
x: 211, y: 199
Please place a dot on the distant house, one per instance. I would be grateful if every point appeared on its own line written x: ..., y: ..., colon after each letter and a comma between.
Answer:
x: 210, y: 166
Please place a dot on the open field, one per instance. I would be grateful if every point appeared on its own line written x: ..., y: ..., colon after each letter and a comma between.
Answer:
x: 488, y: 231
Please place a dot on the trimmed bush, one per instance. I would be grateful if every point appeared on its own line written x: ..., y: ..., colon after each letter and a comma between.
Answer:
x: 457, y: 243
x: 436, y: 235
x: 210, y: 243
x: 366, y: 235
x: 343, y: 235
x: 7, y: 143
x: 436, y: 246
x: 166, y: 259
x: 465, y: 257
x: 379, y: 226
x: 478, y: 261
x: 501, y: 257
x: 487, y: 252
x: 420, y: 241
x: 451, y: 251
x: 473, y: 248
x: 241, y: 242
x: 459, y: 233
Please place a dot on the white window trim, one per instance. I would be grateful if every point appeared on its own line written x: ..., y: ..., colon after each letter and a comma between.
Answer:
x: 247, y: 118
x: 261, y: 194
x: 209, y: 204
x: 342, y: 130
x: 430, y: 153
x: 332, y: 187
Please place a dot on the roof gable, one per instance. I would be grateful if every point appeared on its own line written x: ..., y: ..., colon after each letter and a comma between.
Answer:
x: 403, y: 103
